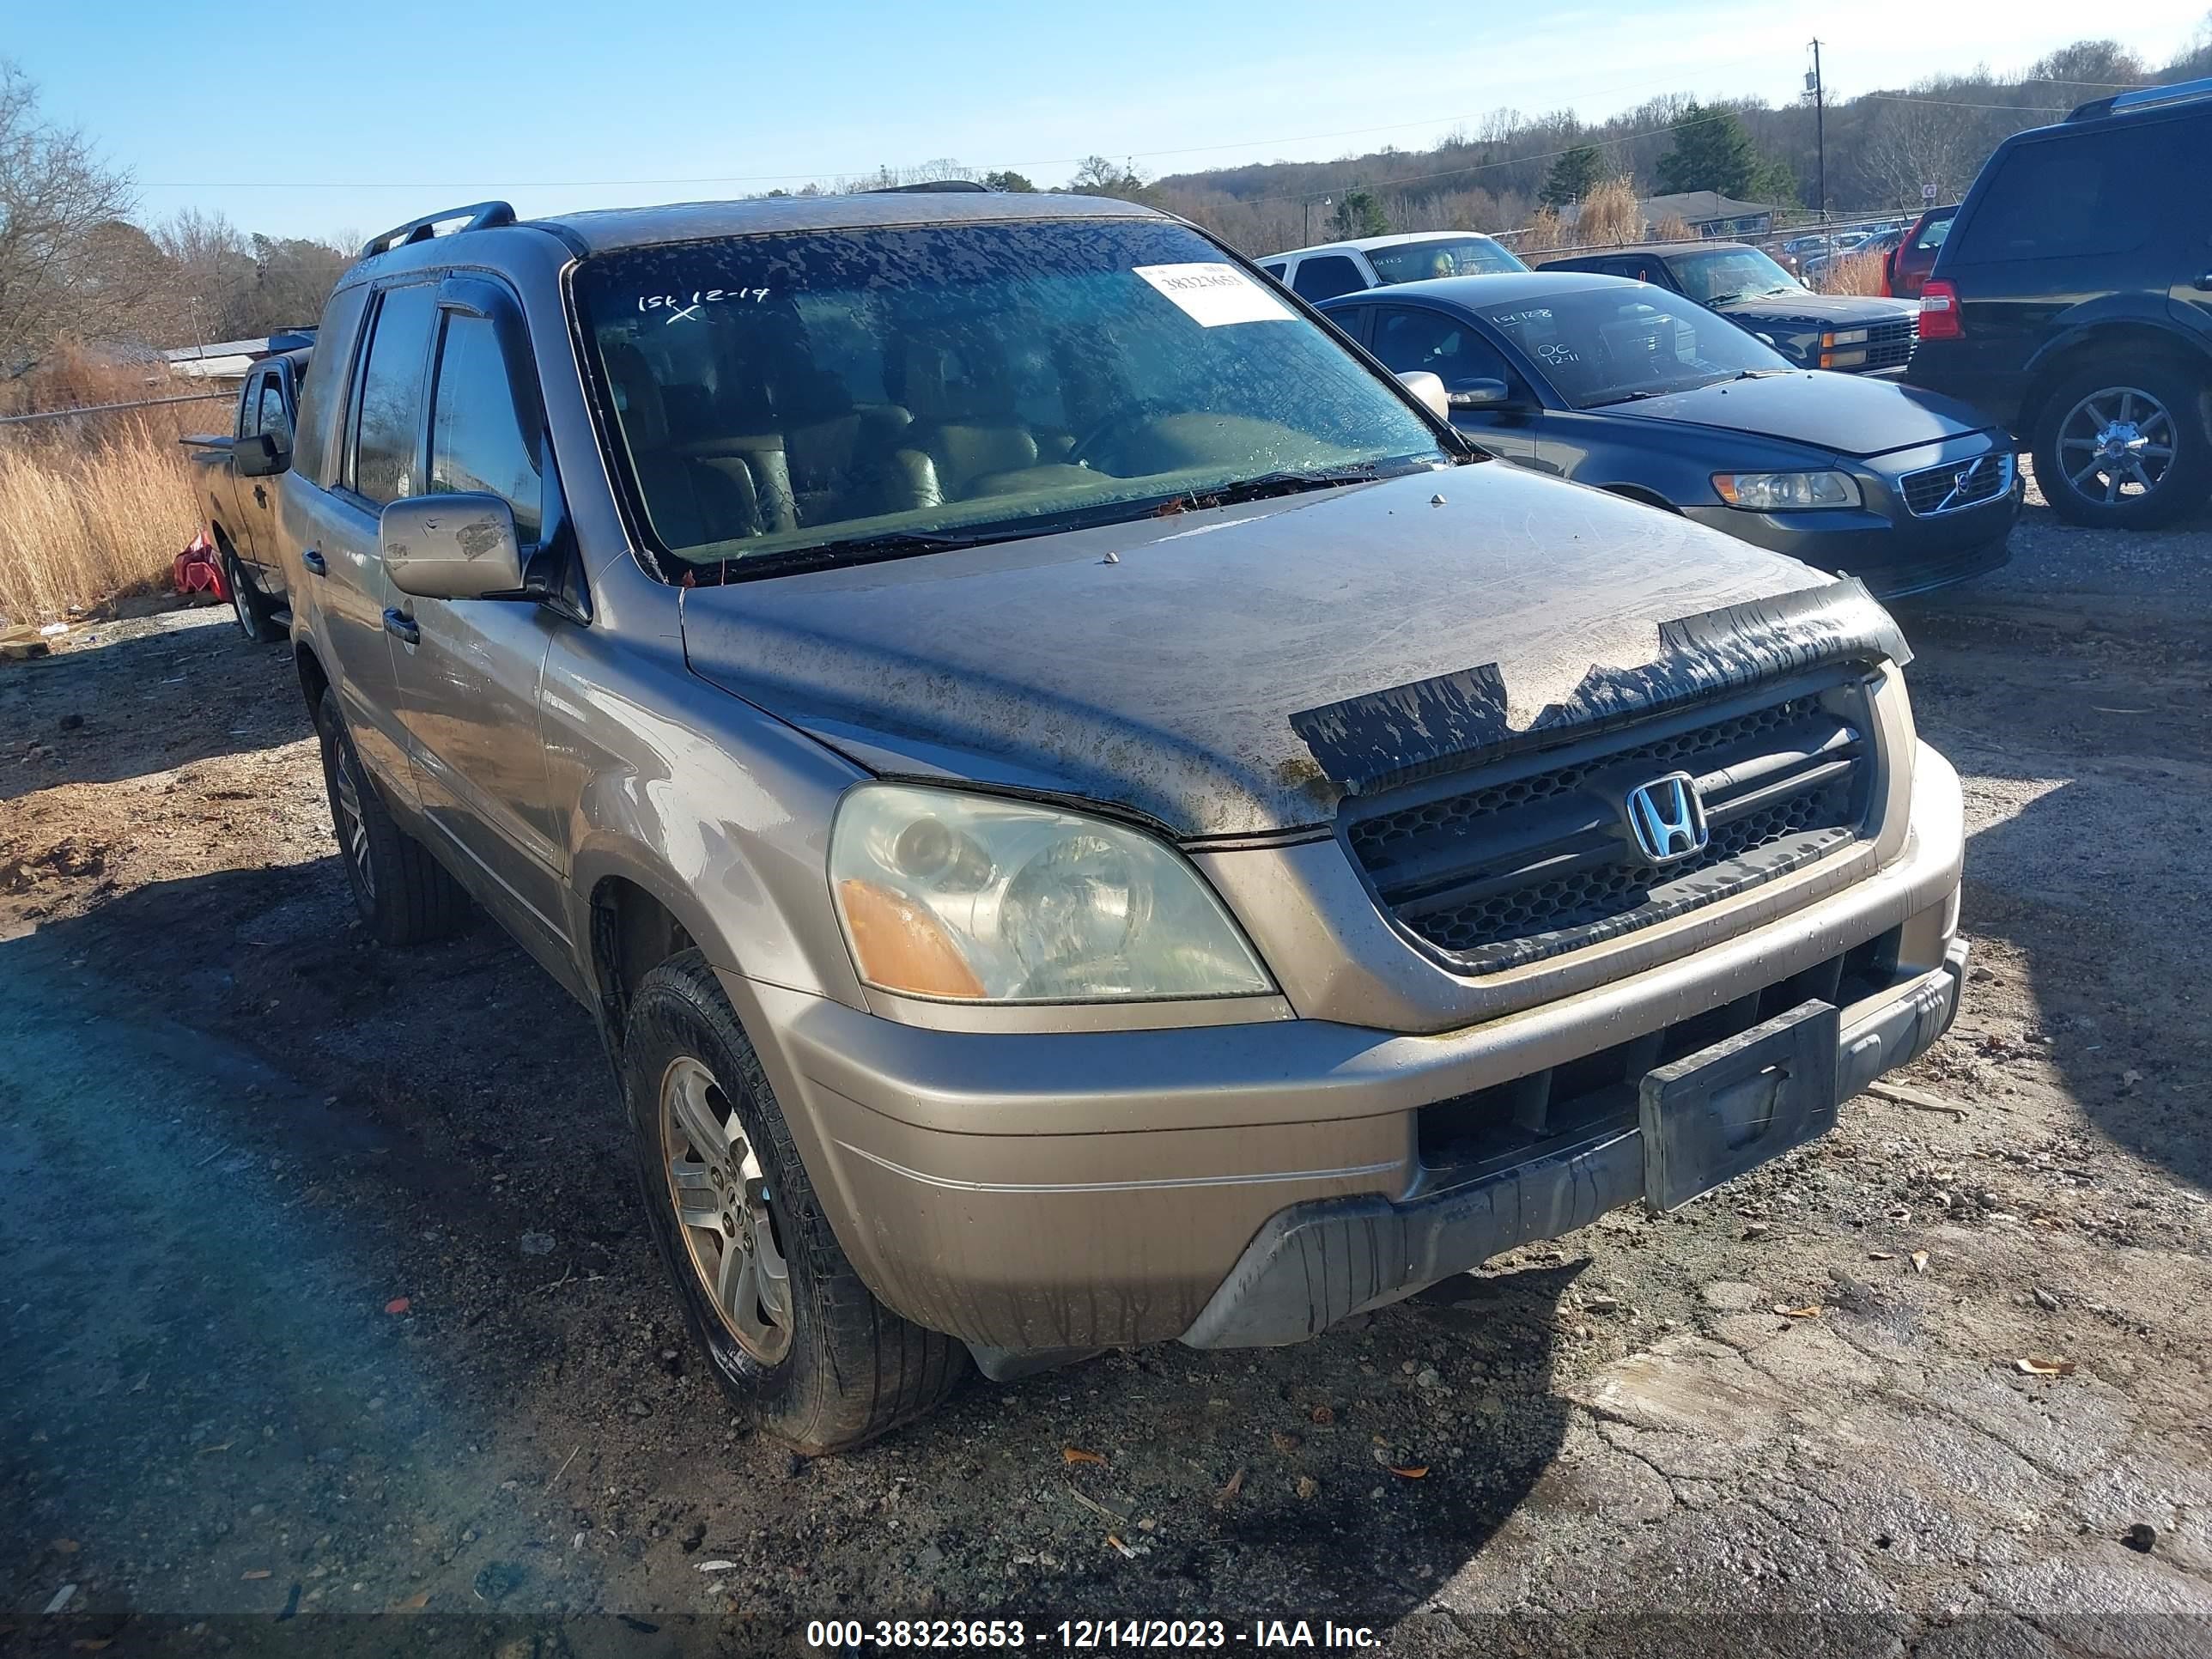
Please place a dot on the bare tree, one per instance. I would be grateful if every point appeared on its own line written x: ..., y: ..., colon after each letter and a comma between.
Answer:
x: 1916, y: 144
x: 56, y: 197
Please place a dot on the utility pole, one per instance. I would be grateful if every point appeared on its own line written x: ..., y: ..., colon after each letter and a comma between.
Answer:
x: 1325, y: 202
x: 1813, y: 84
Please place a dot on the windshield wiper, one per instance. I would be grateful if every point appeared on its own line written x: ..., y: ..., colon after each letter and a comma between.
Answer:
x: 1267, y: 485
x: 1629, y: 398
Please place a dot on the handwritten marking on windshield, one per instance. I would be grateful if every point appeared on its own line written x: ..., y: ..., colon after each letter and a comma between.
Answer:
x: 678, y: 308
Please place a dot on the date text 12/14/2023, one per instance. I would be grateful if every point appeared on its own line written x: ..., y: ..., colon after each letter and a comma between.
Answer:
x: 1085, y: 1635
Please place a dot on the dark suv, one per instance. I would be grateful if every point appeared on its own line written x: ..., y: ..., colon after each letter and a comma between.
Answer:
x: 2073, y: 300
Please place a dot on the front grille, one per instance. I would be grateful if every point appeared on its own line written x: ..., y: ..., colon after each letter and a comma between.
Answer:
x: 1889, y: 345
x: 1937, y: 490
x: 1516, y: 868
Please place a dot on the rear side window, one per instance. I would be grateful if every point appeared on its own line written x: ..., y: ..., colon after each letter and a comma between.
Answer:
x: 1326, y: 277
x: 2085, y: 194
x: 322, y: 395
x: 1275, y: 270
x: 388, y: 415
x: 477, y: 440
x: 1933, y: 233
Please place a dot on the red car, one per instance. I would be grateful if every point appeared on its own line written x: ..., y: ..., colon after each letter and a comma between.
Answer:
x: 1912, y: 258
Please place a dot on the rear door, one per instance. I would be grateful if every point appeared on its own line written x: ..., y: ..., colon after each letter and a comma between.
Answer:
x: 1409, y: 337
x: 468, y: 680
x: 2073, y: 215
x: 379, y: 460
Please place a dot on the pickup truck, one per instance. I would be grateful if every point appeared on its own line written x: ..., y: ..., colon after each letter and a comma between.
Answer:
x: 1085, y: 813
x: 234, y: 478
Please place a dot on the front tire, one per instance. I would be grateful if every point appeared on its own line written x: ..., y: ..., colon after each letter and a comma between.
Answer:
x: 797, y: 1342
x: 402, y: 895
x: 2124, y: 446
x: 255, y: 616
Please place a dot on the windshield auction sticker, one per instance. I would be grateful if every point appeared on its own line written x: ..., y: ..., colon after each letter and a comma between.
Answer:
x: 1213, y: 294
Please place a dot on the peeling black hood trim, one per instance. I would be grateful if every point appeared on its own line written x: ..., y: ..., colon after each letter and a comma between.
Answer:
x: 1381, y: 739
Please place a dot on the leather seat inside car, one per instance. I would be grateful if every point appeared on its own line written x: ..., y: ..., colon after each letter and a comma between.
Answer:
x: 691, y: 502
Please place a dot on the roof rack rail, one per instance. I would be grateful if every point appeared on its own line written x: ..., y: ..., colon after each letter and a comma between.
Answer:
x: 480, y: 215
x: 933, y: 188
x: 2180, y: 92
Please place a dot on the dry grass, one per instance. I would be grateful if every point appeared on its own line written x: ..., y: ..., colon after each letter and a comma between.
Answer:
x: 1609, y: 214
x: 87, y: 518
x: 1855, y: 273
x: 1673, y: 229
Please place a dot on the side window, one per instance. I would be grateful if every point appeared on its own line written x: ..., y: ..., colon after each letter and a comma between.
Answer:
x: 1407, y: 339
x: 322, y: 394
x: 273, y: 420
x: 1352, y: 319
x: 2087, y: 193
x: 387, y: 420
x: 477, y: 440
x: 1326, y: 275
x: 1276, y: 269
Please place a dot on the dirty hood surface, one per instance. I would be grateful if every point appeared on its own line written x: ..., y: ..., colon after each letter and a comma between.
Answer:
x: 1166, y: 682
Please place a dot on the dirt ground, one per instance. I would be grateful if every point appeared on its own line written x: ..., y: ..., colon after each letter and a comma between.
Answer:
x: 327, y: 1292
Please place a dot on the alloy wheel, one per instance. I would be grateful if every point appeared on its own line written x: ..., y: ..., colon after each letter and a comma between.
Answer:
x: 720, y: 1190
x: 353, y: 826
x: 2116, y: 445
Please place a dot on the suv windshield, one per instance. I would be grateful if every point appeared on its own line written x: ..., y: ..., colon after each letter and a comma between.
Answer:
x: 1447, y: 256
x: 871, y: 391
x: 1606, y: 345
x: 1726, y: 274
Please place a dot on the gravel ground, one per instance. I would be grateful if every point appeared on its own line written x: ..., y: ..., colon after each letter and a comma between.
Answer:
x: 328, y: 1294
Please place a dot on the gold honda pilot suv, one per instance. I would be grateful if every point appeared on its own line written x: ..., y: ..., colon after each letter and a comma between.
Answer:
x: 1085, y: 815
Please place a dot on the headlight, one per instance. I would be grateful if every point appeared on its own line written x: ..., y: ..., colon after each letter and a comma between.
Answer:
x: 1786, y: 492
x: 947, y: 894
x: 1846, y: 336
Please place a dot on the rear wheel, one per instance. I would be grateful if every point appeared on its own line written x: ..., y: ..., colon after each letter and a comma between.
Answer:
x: 796, y: 1341
x: 255, y: 615
x: 2124, y: 446
x: 402, y: 895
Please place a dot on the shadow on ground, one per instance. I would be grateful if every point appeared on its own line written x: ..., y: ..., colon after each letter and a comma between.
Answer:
x: 282, y: 1132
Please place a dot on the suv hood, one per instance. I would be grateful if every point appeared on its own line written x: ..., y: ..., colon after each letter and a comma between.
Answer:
x: 1806, y: 309
x: 1851, y: 414
x: 1406, y: 626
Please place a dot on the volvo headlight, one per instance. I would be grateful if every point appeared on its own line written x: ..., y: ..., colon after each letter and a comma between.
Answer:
x: 1786, y: 492
x: 947, y: 894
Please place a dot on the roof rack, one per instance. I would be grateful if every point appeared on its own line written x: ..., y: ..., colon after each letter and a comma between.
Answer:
x: 480, y: 215
x: 2120, y: 103
x: 933, y: 188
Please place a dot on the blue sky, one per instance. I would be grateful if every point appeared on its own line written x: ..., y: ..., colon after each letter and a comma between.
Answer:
x: 387, y: 110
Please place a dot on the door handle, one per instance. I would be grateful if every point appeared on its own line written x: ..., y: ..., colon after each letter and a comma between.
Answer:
x: 315, y: 564
x: 401, y: 626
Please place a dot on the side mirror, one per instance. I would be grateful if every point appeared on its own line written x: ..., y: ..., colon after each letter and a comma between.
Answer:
x: 1480, y: 394
x: 450, y: 547
x: 1429, y: 389
x: 259, y: 457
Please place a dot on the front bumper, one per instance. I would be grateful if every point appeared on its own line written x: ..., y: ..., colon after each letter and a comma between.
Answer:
x: 1069, y: 1190
x: 1893, y: 553
x: 1315, y: 1265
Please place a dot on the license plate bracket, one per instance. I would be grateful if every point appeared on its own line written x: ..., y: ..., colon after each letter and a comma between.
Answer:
x: 1709, y: 1117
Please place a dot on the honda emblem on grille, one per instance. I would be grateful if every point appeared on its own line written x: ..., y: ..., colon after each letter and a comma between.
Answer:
x: 1668, y: 818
